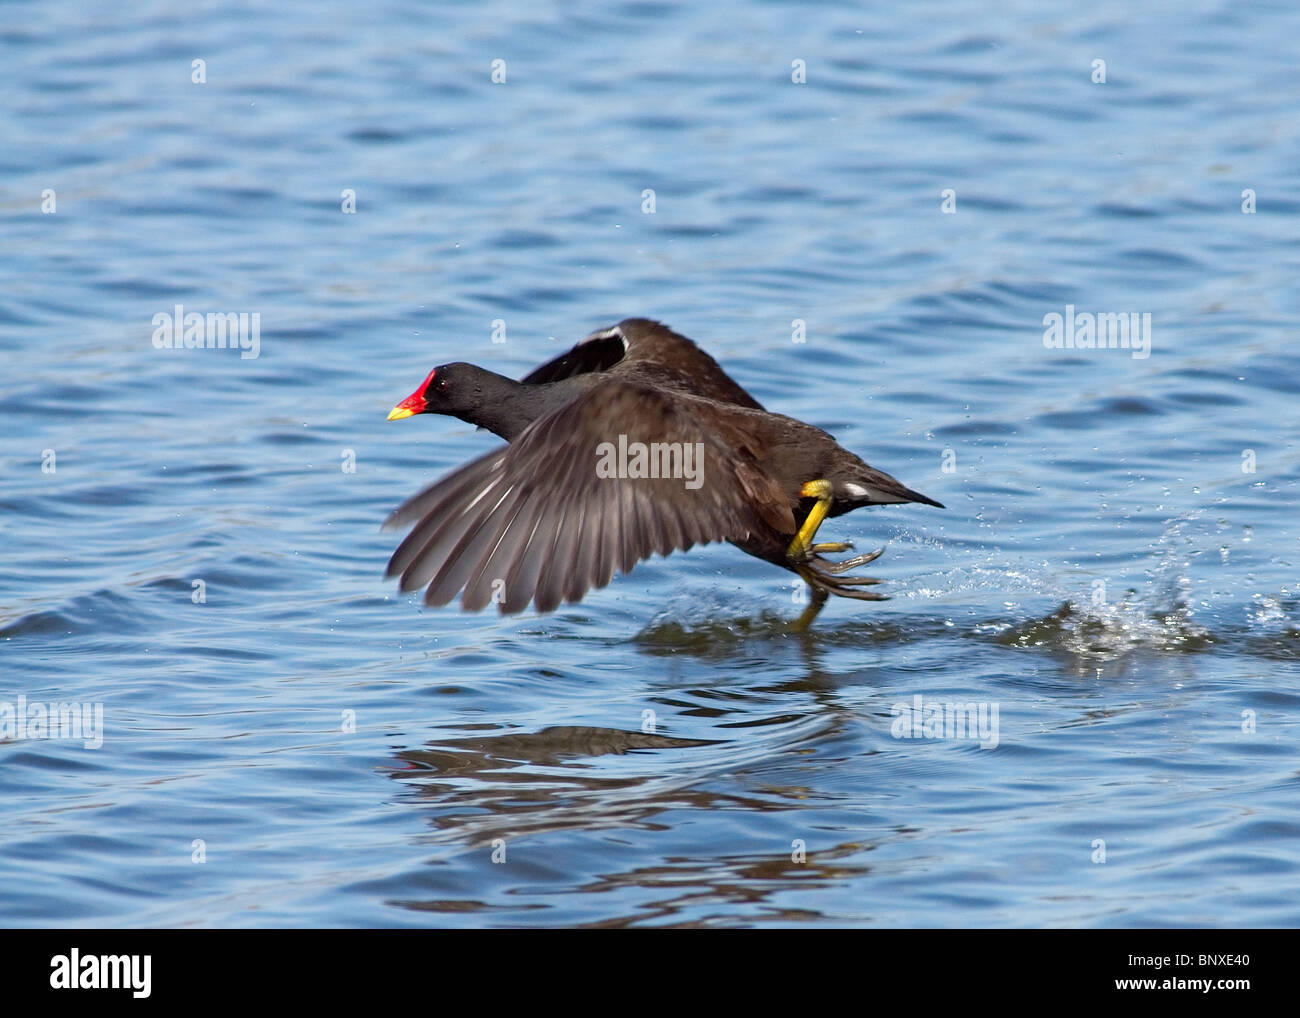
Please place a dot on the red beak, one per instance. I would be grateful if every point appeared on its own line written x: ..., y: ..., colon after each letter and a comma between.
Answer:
x: 413, y: 404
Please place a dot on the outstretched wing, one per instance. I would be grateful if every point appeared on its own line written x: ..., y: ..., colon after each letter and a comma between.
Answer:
x: 538, y: 521
x: 598, y: 352
x: 650, y: 352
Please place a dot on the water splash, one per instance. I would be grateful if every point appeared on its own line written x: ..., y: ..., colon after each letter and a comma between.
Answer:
x: 1158, y: 615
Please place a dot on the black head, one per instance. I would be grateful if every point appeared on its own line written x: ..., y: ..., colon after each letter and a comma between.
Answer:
x: 450, y: 389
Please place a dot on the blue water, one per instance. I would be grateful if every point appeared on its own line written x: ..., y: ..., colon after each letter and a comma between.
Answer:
x: 292, y: 742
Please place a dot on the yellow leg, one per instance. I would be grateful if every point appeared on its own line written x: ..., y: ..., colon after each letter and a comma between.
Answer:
x: 802, y: 543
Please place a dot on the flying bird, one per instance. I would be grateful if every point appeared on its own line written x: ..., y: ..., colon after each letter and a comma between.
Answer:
x: 633, y: 443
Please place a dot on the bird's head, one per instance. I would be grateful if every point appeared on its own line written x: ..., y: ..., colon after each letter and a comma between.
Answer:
x: 445, y: 391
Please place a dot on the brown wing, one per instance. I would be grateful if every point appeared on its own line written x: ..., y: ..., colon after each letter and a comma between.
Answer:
x: 598, y: 352
x: 649, y: 350
x: 534, y: 521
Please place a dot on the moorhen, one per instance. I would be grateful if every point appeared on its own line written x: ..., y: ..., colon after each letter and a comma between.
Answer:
x: 635, y: 442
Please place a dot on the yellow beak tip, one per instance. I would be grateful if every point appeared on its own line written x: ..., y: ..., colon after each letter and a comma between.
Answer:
x: 398, y: 412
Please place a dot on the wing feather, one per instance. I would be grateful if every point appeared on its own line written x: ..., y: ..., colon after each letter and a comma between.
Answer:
x: 538, y: 515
